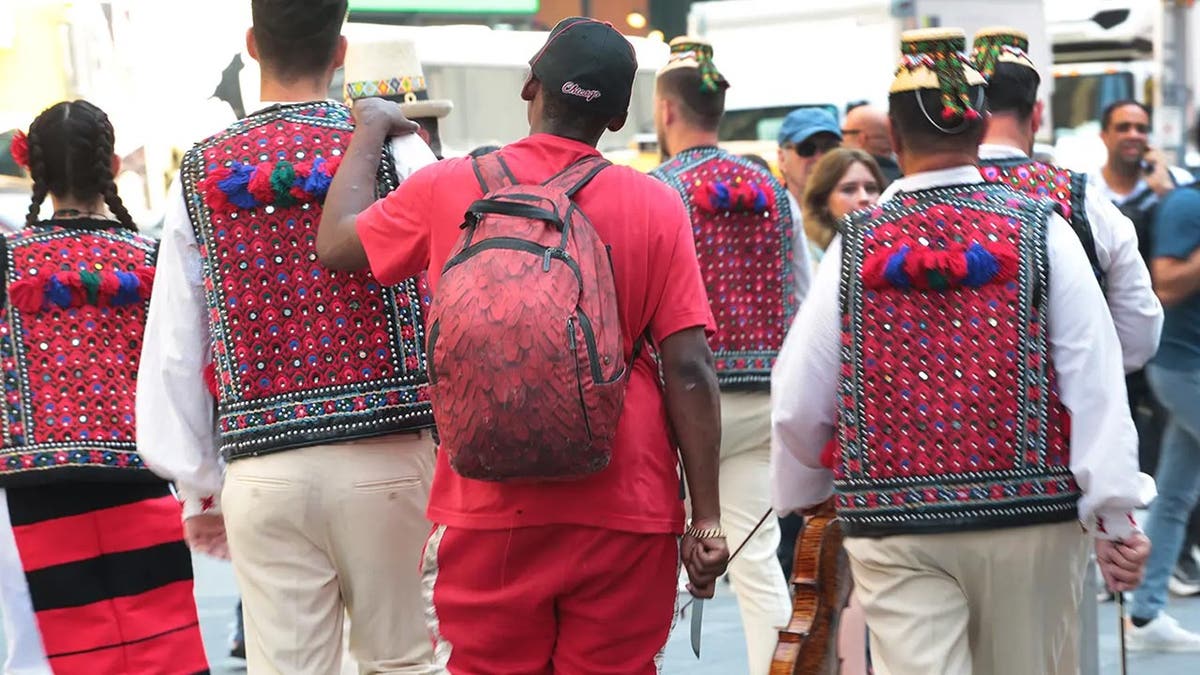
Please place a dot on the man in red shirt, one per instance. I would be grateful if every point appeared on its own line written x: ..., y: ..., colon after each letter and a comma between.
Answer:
x: 573, y: 576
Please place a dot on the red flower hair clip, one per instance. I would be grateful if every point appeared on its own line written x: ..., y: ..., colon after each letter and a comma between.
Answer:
x: 19, y: 148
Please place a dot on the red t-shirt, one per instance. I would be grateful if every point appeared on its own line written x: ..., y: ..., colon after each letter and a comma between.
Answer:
x: 659, y: 287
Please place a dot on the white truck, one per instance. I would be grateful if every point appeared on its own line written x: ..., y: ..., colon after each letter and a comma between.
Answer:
x: 782, y: 54
x: 1108, y: 50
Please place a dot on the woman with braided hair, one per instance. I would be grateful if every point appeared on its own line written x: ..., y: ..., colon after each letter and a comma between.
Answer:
x: 94, y: 573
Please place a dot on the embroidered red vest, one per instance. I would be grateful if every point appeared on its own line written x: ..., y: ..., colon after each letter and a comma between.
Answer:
x: 949, y: 417
x: 74, y: 309
x: 744, y: 238
x: 302, y: 355
x: 1046, y: 181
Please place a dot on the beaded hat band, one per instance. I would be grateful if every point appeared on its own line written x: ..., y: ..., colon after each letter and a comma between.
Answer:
x: 1000, y: 45
x: 390, y: 69
x: 935, y: 58
x: 687, y: 52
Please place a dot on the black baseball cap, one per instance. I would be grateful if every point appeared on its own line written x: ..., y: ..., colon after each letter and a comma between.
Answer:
x: 590, y: 62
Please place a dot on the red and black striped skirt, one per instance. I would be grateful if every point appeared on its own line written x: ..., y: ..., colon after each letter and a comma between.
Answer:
x: 110, y: 577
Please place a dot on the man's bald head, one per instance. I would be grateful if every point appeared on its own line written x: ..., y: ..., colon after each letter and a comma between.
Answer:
x: 867, y: 128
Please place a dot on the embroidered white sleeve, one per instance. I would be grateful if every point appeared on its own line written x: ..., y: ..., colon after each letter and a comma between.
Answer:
x: 410, y: 153
x: 1087, y: 358
x: 804, y: 394
x: 1135, y: 308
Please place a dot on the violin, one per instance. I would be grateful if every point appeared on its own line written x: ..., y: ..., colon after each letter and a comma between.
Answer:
x: 821, y: 585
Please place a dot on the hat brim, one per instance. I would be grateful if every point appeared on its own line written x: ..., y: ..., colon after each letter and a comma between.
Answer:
x: 431, y: 108
x: 1006, y: 57
x: 924, y: 78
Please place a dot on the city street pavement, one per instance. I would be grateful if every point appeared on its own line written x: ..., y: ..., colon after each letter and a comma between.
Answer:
x: 723, y: 650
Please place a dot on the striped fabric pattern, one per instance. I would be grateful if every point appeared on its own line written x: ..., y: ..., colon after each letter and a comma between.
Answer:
x: 109, y: 576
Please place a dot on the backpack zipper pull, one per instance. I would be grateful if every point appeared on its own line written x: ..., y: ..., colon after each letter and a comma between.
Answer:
x: 571, y: 331
x: 546, y: 260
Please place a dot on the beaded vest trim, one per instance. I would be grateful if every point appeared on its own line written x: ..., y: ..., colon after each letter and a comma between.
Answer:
x: 303, y: 355
x: 1046, y: 181
x: 948, y: 413
x: 69, y: 363
x: 744, y: 235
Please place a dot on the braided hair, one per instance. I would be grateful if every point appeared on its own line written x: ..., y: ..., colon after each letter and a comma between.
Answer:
x: 71, y: 154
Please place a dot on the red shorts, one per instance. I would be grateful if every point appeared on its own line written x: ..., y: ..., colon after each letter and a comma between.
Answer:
x: 561, y: 599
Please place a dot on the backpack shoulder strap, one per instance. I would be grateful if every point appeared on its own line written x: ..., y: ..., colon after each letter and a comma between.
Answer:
x: 492, y: 172
x: 571, y: 179
x: 1082, y: 225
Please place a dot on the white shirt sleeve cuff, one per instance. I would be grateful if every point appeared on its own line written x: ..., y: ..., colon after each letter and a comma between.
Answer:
x: 197, y: 503
x: 1113, y: 525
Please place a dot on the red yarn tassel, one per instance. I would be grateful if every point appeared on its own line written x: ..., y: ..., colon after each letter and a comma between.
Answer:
x: 210, y: 378
x: 829, y: 454
x: 27, y: 294
x: 260, y: 183
x: 216, y: 199
x: 145, y: 277
x: 873, y: 269
x: 1006, y: 259
x: 110, y: 284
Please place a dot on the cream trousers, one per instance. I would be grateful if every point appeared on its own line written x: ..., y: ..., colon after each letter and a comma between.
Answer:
x: 989, y: 602
x: 321, y: 532
x: 757, y: 578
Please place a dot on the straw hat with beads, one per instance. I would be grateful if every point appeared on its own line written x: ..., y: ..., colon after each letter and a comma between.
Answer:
x: 936, y: 59
x: 1000, y: 44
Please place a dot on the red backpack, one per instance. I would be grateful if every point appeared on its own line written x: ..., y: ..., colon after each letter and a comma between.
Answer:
x: 526, y: 361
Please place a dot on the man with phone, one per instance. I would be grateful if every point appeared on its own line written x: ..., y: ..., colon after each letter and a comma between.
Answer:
x: 1174, y: 376
x: 1135, y: 178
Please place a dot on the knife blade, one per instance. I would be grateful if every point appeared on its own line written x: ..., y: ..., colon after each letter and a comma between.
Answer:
x: 697, y: 619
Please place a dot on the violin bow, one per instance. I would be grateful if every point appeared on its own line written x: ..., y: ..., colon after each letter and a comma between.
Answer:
x: 698, y: 614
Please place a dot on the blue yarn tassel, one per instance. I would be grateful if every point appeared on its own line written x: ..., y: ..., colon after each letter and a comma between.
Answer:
x: 235, y: 187
x: 318, y: 180
x: 721, y: 192
x: 760, y: 197
x: 127, y: 292
x: 57, y: 293
x: 894, y: 272
x: 981, y: 266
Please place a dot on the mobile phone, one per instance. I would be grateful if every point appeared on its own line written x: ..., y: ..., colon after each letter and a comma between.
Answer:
x: 1147, y: 165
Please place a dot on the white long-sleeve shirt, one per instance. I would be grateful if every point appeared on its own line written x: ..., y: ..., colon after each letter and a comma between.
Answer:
x: 1083, y: 345
x: 176, y: 434
x: 802, y: 262
x: 1135, y: 308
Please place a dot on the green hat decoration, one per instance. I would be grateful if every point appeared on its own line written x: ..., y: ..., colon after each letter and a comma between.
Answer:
x: 688, y: 52
x: 1000, y: 44
x: 935, y: 58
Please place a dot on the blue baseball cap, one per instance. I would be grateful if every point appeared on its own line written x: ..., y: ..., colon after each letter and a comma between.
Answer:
x: 804, y: 123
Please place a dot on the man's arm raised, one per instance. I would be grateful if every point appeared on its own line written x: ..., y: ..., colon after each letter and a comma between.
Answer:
x: 353, y: 189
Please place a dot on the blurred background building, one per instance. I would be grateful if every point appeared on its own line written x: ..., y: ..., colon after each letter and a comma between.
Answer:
x: 170, y: 73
